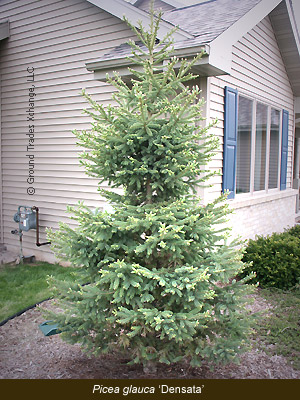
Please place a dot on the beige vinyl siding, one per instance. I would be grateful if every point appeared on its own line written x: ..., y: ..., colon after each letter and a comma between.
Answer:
x: 56, y: 38
x: 1, y: 184
x: 257, y: 71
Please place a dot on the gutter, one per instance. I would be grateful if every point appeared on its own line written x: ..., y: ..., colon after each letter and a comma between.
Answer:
x: 125, y: 61
x: 208, y: 65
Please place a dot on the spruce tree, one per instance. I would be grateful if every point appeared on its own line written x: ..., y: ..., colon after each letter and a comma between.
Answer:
x: 159, y: 269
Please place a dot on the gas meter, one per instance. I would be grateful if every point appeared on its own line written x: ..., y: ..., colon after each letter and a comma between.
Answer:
x: 26, y: 218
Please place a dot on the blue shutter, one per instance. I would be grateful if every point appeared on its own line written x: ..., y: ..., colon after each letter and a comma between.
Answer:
x: 230, y: 141
x: 284, y: 149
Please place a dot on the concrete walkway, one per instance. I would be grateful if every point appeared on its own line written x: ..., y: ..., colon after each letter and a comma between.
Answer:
x: 7, y: 257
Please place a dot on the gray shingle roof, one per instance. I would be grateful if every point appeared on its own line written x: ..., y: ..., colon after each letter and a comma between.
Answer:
x: 205, y: 21
x: 208, y: 20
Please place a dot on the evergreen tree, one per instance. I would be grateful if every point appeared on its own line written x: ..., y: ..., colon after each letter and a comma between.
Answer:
x: 158, y: 266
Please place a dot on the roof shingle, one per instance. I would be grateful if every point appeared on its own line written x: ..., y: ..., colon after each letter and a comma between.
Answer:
x: 209, y: 19
x: 204, y: 21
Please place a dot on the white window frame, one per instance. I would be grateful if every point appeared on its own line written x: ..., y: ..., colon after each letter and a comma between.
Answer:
x: 269, y: 106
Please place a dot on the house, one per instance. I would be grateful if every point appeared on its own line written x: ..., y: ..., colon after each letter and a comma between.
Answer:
x: 249, y: 76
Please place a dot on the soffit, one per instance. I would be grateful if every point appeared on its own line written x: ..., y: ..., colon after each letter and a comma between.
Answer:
x: 288, y: 41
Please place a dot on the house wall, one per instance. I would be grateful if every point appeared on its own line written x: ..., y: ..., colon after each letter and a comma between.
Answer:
x: 257, y: 70
x: 1, y: 214
x: 263, y: 216
x: 56, y: 38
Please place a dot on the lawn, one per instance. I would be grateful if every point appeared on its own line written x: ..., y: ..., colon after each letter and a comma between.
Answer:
x: 279, y: 332
x: 24, y: 285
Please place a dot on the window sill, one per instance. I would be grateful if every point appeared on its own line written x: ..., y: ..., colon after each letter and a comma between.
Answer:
x: 259, y: 198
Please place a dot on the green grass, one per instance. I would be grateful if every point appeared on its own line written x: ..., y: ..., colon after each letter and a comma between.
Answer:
x: 25, y: 285
x: 280, y: 331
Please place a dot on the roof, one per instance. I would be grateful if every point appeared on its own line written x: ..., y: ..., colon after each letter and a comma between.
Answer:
x: 121, y: 8
x: 212, y: 26
x: 208, y: 20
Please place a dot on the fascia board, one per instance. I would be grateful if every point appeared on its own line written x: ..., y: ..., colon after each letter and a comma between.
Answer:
x: 220, y: 56
x: 108, y: 64
x: 202, y: 67
x: 297, y: 105
x: 237, y: 30
x: 294, y: 26
x: 191, y: 51
x: 207, y: 65
x: 126, y: 62
x: 221, y: 47
x: 120, y: 8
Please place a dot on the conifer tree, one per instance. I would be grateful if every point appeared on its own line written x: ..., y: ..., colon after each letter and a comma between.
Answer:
x: 159, y: 268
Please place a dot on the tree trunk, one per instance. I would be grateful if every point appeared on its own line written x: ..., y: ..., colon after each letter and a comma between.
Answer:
x: 150, y: 367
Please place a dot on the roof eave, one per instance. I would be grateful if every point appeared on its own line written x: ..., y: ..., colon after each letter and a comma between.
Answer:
x: 293, y: 24
x: 219, y: 58
x: 221, y: 47
x: 288, y: 40
x: 203, y: 67
x: 125, y: 61
x: 244, y: 24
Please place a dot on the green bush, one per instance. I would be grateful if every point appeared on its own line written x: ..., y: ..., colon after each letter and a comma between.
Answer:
x: 275, y: 259
x: 294, y: 231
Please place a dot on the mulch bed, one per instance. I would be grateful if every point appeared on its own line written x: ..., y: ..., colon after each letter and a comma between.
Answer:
x: 25, y: 353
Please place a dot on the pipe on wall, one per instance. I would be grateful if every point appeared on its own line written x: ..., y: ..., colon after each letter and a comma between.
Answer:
x: 36, y: 209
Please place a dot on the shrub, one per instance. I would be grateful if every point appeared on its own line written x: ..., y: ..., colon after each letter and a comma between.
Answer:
x: 294, y: 231
x: 275, y: 259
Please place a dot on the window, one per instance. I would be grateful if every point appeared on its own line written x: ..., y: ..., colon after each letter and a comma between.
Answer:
x: 274, y: 149
x: 261, y: 147
x: 258, y: 141
x: 255, y: 145
x: 244, y: 140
